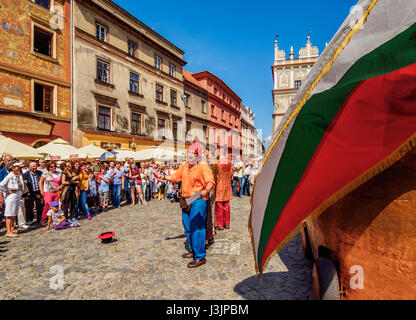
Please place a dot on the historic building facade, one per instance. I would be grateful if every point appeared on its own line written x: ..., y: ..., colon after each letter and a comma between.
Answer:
x: 128, y: 81
x: 288, y: 75
x: 35, y: 70
x: 248, y: 134
x: 224, y: 114
x: 196, y: 108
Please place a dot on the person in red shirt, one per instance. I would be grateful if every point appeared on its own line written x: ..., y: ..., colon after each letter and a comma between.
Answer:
x: 195, y: 176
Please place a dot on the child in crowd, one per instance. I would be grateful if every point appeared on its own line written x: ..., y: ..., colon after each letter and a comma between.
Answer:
x: 104, y: 187
x: 92, y: 193
x: 56, y: 217
x: 173, y: 192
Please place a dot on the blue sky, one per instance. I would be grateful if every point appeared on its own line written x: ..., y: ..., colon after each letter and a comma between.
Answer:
x: 234, y: 39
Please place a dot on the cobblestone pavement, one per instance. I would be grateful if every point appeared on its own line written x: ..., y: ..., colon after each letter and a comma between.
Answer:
x: 146, y: 260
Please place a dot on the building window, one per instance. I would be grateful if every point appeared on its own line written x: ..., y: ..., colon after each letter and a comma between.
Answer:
x: 161, y: 127
x: 103, y: 71
x: 101, y: 32
x: 42, y: 42
x: 172, y: 70
x: 212, y: 111
x: 215, y: 90
x: 134, y: 82
x: 222, y: 115
x: 188, y: 127
x: 132, y: 48
x: 205, y: 129
x: 159, y: 93
x: 43, y: 98
x: 136, y: 123
x: 186, y: 100
x: 43, y: 3
x: 298, y: 83
x: 173, y: 98
x: 175, y: 130
x: 203, y: 106
x: 158, y: 63
x: 104, y: 118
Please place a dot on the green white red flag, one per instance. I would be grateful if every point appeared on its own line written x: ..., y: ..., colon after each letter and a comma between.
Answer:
x: 354, y: 116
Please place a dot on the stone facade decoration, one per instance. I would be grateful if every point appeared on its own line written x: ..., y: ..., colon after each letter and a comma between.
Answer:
x: 35, y: 70
x: 128, y: 81
x: 288, y: 75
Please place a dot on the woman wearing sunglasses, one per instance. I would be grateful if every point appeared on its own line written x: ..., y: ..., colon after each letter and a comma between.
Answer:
x: 49, y: 185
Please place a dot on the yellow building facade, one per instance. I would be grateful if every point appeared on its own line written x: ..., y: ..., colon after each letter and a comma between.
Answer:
x: 35, y: 70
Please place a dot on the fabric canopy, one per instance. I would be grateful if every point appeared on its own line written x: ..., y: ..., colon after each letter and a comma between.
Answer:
x: 18, y: 150
x: 92, y: 151
x: 60, y: 150
x: 158, y: 154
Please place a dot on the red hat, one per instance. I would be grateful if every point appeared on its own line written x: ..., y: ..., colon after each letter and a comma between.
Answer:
x: 106, y: 237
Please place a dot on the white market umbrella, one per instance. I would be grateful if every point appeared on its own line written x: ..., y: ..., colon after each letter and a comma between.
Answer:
x: 157, y: 153
x: 92, y: 151
x: 68, y: 156
x: 122, y: 154
x: 18, y: 150
x: 59, y: 150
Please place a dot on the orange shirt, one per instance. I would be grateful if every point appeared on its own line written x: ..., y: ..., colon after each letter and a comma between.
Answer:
x: 193, y: 179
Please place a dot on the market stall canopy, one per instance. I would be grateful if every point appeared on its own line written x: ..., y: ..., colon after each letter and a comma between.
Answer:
x: 92, y: 151
x: 158, y: 154
x: 60, y: 150
x: 18, y: 150
x: 122, y: 154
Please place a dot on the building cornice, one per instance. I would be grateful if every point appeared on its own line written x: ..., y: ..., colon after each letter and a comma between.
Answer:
x: 211, y: 76
x: 223, y: 103
x: 30, y: 74
x: 39, y: 116
x: 197, y: 119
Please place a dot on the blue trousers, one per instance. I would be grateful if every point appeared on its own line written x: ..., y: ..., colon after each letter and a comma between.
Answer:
x: 83, y: 202
x: 246, y: 186
x: 116, y: 193
x: 194, y: 224
x: 127, y: 191
x: 240, y: 180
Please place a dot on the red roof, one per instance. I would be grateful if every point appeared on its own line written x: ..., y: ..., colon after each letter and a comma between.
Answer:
x: 188, y: 76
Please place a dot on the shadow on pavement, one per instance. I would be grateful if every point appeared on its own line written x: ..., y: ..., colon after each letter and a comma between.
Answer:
x: 177, y: 237
x: 295, y: 283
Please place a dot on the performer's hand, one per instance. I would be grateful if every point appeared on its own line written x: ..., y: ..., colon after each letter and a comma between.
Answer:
x: 204, y: 193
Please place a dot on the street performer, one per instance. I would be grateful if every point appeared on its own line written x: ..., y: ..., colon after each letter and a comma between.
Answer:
x: 196, y: 177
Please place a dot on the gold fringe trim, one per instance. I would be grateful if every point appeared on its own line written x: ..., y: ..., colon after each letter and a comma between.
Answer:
x: 372, y: 172
x: 323, y: 72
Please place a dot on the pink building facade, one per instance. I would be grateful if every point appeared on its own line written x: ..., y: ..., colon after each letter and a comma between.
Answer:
x: 224, y: 107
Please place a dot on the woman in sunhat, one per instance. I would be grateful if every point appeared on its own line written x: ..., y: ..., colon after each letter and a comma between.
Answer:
x: 196, y: 177
x: 12, y: 187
